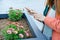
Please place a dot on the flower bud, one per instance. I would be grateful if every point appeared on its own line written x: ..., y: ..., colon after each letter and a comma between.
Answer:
x: 21, y: 35
x: 9, y: 31
x: 21, y: 26
x: 15, y: 32
x: 27, y: 34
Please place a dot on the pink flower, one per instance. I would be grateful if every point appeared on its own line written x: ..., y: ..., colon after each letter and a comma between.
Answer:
x: 17, y: 25
x: 9, y: 31
x: 27, y: 34
x: 21, y: 35
x: 21, y: 26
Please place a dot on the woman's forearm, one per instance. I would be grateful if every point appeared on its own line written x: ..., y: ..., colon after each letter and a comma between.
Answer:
x: 53, y: 23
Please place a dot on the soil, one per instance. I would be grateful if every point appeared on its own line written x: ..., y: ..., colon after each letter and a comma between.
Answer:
x: 5, y: 22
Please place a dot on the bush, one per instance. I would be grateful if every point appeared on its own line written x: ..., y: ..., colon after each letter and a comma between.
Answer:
x: 15, y: 15
x: 11, y: 32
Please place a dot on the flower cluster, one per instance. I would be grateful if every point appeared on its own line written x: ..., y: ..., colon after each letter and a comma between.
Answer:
x: 11, y: 30
x: 15, y: 14
x: 16, y: 31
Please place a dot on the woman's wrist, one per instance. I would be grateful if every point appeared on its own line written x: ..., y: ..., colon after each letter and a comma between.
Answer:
x: 44, y: 18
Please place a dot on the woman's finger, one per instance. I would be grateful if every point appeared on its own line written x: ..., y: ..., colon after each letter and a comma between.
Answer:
x: 30, y: 11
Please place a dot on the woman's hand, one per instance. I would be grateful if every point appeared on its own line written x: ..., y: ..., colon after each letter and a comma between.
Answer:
x: 32, y: 12
x: 37, y: 16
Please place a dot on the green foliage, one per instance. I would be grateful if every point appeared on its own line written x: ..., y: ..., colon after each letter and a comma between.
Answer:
x: 12, y: 36
x: 15, y: 15
x: 12, y: 26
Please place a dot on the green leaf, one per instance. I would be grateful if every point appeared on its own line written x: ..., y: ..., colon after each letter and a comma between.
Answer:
x: 12, y: 15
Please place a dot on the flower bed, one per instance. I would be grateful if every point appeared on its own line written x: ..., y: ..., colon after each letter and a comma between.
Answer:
x: 15, y: 26
x: 33, y: 29
x: 19, y: 28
